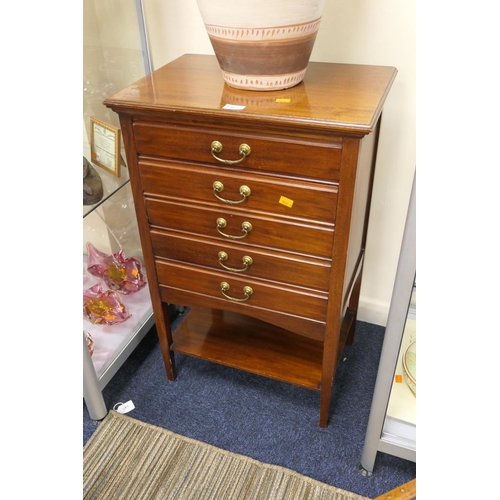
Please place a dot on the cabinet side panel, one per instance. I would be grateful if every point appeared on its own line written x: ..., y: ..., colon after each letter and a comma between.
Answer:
x: 360, y: 211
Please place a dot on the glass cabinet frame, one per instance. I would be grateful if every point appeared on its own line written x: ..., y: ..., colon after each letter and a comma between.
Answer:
x: 116, y: 53
x: 392, y: 422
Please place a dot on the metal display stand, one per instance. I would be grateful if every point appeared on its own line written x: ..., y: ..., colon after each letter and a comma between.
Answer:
x: 382, y: 435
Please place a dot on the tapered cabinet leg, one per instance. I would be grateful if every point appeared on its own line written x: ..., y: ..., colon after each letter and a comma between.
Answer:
x: 353, y: 307
x: 165, y: 338
x: 324, y: 408
x: 326, y: 392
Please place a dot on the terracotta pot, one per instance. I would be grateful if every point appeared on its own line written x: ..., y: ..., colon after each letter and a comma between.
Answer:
x: 262, y: 44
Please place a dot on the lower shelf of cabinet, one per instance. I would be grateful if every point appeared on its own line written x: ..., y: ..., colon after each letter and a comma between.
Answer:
x: 251, y: 345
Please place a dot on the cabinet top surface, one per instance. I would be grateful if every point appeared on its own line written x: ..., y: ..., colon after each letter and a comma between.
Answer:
x: 348, y: 97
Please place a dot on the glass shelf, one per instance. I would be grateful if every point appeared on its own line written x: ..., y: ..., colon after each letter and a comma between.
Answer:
x: 110, y: 183
x: 112, y: 339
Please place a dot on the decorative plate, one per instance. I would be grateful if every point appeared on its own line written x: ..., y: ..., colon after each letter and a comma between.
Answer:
x: 410, y: 367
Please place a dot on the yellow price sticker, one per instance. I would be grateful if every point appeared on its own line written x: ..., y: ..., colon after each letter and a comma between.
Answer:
x: 286, y: 201
x: 283, y: 100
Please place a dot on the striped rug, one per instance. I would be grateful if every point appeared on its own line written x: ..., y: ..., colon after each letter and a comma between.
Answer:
x: 129, y: 459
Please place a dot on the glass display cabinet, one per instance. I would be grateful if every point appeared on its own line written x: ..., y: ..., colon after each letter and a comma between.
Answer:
x: 392, y: 423
x: 111, y: 227
x: 115, y: 54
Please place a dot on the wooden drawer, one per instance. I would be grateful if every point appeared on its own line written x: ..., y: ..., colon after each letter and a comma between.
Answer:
x: 300, y: 200
x: 284, y: 298
x: 290, y: 155
x: 276, y: 266
x: 267, y: 232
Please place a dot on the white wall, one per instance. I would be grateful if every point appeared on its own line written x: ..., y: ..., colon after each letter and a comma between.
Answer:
x: 378, y: 32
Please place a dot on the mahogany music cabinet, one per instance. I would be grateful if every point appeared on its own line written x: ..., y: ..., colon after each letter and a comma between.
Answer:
x: 253, y: 211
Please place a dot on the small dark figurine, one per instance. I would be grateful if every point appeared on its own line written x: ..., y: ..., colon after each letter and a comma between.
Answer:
x: 92, y: 184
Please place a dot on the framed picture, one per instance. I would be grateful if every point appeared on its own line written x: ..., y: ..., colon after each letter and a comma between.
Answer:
x: 105, y: 146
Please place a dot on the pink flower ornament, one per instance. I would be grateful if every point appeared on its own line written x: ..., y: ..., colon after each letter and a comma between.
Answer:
x: 103, y: 308
x: 119, y: 273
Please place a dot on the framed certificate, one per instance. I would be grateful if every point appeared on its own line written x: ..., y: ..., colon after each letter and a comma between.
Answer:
x: 105, y: 145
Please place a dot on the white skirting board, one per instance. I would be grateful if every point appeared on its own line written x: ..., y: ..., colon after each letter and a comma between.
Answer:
x: 373, y: 311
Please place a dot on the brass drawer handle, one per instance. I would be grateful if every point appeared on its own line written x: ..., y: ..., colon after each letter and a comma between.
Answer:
x: 244, y: 151
x: 246, y: 227
x: 219, y: 187
x: 224, y: 287
x: 247, y: 262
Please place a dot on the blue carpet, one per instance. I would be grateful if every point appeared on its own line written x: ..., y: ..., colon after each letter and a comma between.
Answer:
x: 264, y: 419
